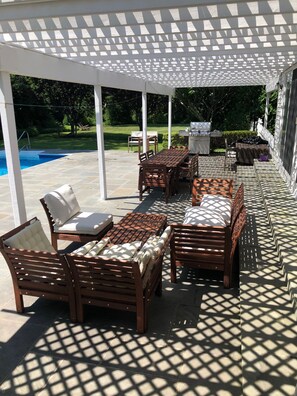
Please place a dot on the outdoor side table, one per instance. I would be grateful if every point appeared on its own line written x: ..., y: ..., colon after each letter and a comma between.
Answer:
x: 137, y: 226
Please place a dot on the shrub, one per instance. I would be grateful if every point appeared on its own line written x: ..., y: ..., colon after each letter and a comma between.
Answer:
x: 32, y: 130
x: 215, y: 142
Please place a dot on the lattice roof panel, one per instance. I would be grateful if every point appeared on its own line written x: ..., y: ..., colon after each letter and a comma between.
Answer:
x: 170, y: 42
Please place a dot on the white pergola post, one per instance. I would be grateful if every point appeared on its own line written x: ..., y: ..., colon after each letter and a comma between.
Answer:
x: 11, y: 150
x: 266, y: 110
x: 169, y: 119
x: 100, y: 141
x: 144, y: 121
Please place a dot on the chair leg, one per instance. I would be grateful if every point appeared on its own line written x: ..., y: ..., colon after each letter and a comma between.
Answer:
x: 172, y: 265
x: 72, y: 309
x: 141, y: 320
x: 19, y: 302
x: 158, y: 291
x: 54, y: 241
x: 80, y: 313
x: 227, y: 283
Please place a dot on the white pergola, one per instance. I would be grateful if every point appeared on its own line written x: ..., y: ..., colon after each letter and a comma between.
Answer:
x: 143, y: 45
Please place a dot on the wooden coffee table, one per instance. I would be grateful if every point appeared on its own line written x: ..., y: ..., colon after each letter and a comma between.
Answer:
x: 137, y: 227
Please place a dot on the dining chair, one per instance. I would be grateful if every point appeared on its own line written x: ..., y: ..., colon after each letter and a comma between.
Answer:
x: 142, y: 157
x: 150, y: 153
x: 189, y: 170
x: 157, y: 176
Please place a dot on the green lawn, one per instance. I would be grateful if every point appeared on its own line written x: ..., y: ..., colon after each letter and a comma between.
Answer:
x: 115, y: 138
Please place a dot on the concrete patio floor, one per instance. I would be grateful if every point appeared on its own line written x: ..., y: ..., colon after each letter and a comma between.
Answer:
x: 202, y: 339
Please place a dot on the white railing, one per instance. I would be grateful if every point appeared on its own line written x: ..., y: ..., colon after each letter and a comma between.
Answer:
x: 28, y: 145
x: 265, y: 134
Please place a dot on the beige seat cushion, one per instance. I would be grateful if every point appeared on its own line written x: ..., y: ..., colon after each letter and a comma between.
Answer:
x: 203, y: 216
x: 219, y: 204
x: 62, y: 204
x: 31, y: 237
x: 85, y: 223
x: 92, y: 248
x: 124, y: 251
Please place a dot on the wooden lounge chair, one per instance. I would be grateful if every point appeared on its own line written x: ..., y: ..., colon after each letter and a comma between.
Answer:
x: 68, y: 222
x: 36, y: 268
x: 209, y: 246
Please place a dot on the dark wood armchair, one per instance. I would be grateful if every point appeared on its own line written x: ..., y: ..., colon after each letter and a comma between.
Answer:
x: 35, y: 272
x: 209, y: 247
x: 66, y: 220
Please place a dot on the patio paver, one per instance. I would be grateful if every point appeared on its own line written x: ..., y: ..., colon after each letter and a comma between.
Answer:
x: 196, y: 335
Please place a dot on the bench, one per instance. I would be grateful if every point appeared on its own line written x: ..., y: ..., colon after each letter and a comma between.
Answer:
x: 136, y: 139
x: 209, y: 247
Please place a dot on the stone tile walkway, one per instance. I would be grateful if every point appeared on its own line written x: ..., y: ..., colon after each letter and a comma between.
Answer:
x: 268, y: 323
x: 195, y: 337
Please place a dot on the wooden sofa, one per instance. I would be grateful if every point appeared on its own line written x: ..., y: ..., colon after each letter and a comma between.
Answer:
x: 115, y: 284
x: 209, y: 247
x: 80, y: 280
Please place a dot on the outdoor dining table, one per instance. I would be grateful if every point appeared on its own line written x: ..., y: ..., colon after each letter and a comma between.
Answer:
x: 172, y: 159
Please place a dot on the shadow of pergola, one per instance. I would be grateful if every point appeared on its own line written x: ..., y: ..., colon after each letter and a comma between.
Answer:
x: 202, y: 339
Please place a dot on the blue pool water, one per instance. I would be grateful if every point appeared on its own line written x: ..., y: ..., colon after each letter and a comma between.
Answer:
x: 28, y: 159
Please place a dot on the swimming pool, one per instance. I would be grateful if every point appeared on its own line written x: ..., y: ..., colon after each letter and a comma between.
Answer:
x: 28, y: 159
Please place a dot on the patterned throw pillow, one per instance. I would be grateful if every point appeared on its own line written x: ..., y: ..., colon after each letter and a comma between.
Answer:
x: 203, y: 216
x: 219, y: 204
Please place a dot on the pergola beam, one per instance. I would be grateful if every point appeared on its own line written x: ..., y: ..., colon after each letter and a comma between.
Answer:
x: 56, y: 8
x: 30, y: 63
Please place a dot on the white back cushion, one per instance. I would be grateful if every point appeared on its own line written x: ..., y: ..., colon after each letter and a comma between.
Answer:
x: 203, y: 216
x: 62, y: 204
x: 218, y: 203
x: 31, y: 237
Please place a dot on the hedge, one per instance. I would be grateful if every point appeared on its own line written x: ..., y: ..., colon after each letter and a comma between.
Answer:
x: 215, y: 142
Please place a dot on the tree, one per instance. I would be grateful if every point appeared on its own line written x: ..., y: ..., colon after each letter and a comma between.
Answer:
x: 224, y: 107
x: 271, y: 108
x: 120, y: 106
x: 30, y: 110
x: 76, y: 101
